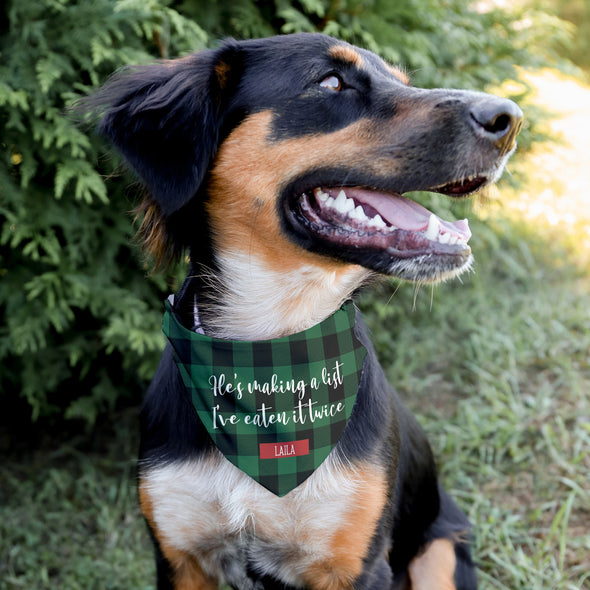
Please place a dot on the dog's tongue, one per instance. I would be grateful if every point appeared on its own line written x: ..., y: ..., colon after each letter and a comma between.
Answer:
x: 406, y: 214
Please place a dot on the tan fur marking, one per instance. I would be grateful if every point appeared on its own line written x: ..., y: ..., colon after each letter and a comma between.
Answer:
x: 146, y: 505
x: 152, y: 231
x: 188, y: 574
x: 247, y: 177
x: 435, y: 568
x: 222, y: 70
x: 351, y: 541
x: 399, y: 74
x: 347, y: 54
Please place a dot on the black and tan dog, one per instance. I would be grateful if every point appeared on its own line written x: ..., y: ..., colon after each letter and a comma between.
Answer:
x: 279, y: 164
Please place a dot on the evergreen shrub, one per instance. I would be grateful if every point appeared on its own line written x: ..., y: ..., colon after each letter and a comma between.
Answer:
x: 80, y: 319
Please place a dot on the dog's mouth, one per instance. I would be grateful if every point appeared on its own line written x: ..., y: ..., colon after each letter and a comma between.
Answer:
x: 382, y: 229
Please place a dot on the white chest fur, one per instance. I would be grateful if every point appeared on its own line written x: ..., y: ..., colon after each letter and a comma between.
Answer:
x: 211, y: 510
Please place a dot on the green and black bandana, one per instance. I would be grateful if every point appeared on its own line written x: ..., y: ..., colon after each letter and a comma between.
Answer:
x: 274, y: 408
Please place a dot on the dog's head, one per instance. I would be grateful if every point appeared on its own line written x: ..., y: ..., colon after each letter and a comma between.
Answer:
x: 298, y: 150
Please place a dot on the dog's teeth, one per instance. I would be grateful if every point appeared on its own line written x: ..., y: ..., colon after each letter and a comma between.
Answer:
x: 433, y: 228
x: 342, y: 203
x: 321, y: 195
x: 453, y: 240
x: 349, y: 205
x: 444, y: 238
x: 358, y: 213
x: 330, y: 202
x: 340, y: 200
x: 377, y: 221
x: 353, y: 214
x: 361, y: 212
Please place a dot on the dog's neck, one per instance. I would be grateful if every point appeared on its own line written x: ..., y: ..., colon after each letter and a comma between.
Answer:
x: 245, y: 300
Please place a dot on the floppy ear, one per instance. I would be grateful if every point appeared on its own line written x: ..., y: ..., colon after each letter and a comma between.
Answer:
x: 165, y: 119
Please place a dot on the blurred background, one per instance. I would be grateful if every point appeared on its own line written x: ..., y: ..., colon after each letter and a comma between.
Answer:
x: 497, y: 365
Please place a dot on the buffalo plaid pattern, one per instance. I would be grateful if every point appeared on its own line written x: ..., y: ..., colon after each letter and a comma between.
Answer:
x: 274, y: 408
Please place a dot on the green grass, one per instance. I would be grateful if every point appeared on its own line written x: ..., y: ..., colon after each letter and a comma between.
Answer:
x: 69, y: 515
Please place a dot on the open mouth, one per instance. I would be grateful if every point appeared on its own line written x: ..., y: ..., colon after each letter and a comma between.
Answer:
x: 370, y: 219
x: 359, y: 222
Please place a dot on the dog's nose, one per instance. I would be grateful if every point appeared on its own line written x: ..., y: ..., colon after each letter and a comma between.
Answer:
x: 497, y: 119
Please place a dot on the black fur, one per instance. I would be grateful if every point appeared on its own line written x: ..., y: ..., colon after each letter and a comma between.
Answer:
x: 176, y: 104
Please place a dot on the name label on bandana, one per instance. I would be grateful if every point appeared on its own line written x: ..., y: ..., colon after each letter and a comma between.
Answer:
x: 274, y: 408
x: 295, y: 448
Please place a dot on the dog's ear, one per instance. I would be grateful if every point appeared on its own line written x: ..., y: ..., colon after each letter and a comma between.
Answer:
x: 165, y: 120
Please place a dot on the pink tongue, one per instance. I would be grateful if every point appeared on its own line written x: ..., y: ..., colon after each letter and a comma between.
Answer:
x: 406, y: 214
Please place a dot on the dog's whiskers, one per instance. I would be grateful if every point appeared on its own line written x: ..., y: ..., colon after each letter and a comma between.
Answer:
x: 417, y: 286
x: 393, y: 294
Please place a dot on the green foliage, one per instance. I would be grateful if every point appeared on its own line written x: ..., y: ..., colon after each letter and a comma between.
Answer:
x: 73, y: 521
x: 455, y: 43
x: 81, y: 322
x: 576, y: 15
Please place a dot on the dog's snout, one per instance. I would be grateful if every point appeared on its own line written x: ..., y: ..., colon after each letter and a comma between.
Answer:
x: 498, y: 120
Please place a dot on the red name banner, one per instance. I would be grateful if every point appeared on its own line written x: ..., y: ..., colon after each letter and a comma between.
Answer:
x: 295, y: 448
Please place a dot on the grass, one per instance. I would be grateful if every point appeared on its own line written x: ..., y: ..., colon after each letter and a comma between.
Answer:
x: 69, y: 516
x: 497, y: 368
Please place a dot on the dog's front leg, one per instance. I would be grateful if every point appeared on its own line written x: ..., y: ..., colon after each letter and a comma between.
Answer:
x: 445, y: 563
x: 176, y: 569
x: 184, y: 573
x: 435, y: 568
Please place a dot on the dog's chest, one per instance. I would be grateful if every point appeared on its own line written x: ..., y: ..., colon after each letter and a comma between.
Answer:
x: 211, y: 510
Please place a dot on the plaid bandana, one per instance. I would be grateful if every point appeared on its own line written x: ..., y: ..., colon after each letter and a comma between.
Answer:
x: 274, y: 408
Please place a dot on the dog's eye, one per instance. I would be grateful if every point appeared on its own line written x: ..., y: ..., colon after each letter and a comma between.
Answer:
x: 332, y: 82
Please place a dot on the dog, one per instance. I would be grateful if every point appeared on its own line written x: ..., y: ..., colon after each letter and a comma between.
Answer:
x: 280, y: 165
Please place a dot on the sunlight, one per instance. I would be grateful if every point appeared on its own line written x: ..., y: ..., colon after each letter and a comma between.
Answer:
x: 558, y: 190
